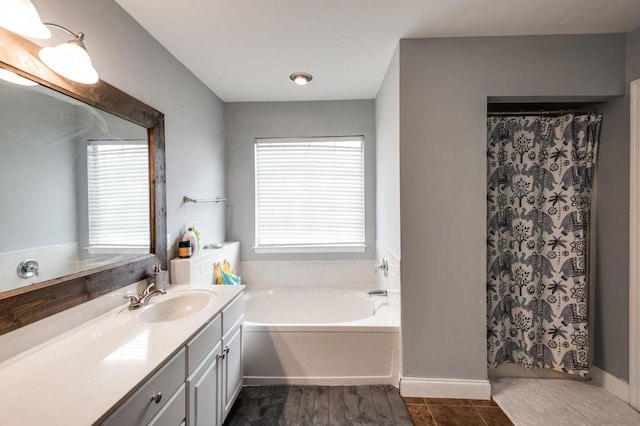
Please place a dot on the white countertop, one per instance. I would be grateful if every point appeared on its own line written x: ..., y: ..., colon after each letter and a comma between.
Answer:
x: 77, y: 377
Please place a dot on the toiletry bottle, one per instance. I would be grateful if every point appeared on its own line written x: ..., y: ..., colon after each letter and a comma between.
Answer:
x: 184, y: 249
x: 198, y: 238
x: 191, y: 236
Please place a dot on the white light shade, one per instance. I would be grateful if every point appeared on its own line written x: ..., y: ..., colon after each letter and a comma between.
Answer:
x: 21, y: 17
x: 14, y: 78
x: 70, y: 60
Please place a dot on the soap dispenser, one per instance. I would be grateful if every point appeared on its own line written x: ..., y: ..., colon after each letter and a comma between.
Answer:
x: 159, y: 276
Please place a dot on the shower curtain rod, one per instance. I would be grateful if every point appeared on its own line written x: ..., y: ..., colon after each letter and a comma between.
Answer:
x: 556, y: 112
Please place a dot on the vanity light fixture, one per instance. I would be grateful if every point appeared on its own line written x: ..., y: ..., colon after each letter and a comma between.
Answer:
x: 70, y: 59
x: 21, y: 17
x: 14, y: 78
x: 301, y: 78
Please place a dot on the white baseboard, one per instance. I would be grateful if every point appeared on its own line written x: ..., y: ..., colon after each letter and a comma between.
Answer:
x: 617, y: 387
x: 320, y: 381
x: 445, y: 388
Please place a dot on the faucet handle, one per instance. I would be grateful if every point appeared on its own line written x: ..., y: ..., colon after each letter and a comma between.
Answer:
x: 134, y: 300
x: 384, y: 266
x: 152, y: 280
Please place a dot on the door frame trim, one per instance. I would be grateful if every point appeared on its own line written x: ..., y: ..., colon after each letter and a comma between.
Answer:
x: 634, y: 248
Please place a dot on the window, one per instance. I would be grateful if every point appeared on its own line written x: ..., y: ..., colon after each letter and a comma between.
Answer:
x: 310, y: 194
x: 118, y: 196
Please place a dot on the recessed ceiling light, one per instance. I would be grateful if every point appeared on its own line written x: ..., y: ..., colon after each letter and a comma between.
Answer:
x: 301, y: 78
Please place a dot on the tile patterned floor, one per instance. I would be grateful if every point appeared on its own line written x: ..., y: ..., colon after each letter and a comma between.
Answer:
x: 319, y: 405
x: 445, y: 411
x: 356, y: 405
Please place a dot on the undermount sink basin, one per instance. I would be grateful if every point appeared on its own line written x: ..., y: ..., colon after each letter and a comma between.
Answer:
x: 174, y: 308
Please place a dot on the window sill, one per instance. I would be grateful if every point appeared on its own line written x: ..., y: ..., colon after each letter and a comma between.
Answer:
x: 118, y: 249
x: 347, y: 248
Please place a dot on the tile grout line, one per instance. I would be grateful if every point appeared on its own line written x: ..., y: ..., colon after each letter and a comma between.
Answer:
x: 329, y: 404
x: 393, y: 414
x: 299, y: 404
x: 479, y: 414
x: 315, y: 401
x: 315, y: 404
x: 430, y: 413
x: 375, y: 409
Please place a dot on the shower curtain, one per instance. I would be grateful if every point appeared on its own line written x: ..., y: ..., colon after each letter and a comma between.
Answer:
x: 540, y: 177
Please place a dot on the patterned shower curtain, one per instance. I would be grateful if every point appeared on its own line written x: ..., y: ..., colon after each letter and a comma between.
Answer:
x: 540, y: 177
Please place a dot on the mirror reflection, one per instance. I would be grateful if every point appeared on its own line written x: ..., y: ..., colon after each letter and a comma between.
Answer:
x: 74, y: 181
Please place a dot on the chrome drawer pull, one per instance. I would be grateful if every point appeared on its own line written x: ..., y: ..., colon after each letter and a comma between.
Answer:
x: 157, y: 397
x: 225, y: 351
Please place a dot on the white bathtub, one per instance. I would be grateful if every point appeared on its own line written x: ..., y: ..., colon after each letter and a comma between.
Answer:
x: 318, y: 336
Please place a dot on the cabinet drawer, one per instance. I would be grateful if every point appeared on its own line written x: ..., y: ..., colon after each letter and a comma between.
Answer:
x: 174, y: 411
x: 232, y: 314
x: 140, y: 408
x: 201, y: 345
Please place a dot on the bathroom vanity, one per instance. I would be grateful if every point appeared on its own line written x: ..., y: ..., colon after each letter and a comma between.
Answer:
x: 175, y: 361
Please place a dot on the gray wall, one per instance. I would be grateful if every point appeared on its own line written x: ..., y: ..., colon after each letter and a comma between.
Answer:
x: 611, y: 293
x: 129, y: 58
x: 388, y: 158
x: 611, y: 339
x: 37, y: 169
x: 443, y: 101
x: 633, y: 55
x: 246, y: 121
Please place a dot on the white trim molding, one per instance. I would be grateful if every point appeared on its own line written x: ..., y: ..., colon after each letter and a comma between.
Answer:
x: 445, y: 388
x: 634, y: 249
x: 318, y: 248
x: 611, y: 383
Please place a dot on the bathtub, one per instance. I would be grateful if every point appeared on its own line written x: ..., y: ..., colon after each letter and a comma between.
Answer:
x: 318, y: 336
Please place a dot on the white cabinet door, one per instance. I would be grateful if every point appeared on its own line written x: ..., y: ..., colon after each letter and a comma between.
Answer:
x: 231, y: 368
x: 204, y: 392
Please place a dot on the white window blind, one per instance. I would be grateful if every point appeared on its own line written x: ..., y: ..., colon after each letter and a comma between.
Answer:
x: 118, y: 194
x: 310, y: 194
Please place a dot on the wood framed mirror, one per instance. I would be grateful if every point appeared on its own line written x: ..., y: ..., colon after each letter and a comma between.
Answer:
x: 25, y: 305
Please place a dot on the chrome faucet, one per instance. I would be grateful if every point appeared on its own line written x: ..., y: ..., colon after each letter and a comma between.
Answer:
x: 28, y: 269
x: 377, y: 292
x: 384, y: 267
x: 138, y: 300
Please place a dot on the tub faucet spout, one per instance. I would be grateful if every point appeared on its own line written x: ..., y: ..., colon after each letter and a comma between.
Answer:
x: 376, y: 292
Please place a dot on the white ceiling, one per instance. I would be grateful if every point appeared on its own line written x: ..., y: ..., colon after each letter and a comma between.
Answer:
x: 244, y: 50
